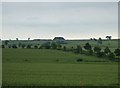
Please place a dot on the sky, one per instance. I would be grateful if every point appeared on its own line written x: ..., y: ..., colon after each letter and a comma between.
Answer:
x: 71, y: 20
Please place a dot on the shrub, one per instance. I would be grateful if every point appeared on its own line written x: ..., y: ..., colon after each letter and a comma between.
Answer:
x: 87, y: 46
x: 72, y: 48
x: 79, y: 60
x: 90, y: 52
x: 57, y: 60
x: 64, y: 48
x: 14, y: 46
x: 100, y: 54
x: 59, y: 46
x: 9, y: 46
x: 28, y: 46
x: 23, y: 46
x: 3, y: 46
x: 111, y: 56
x: 107, y: 50
x: 46, y: 45
x: 79, y: 49
x: 117, y: 52
x: 97, y: 49
x: 53, y: 45
x: 35, y: 46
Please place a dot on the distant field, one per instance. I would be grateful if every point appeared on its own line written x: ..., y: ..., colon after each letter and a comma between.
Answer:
x: 44, y: 55
x: 41, y: 67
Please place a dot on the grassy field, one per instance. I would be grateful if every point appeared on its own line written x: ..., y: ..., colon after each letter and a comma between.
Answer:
x: 41, y: 67
x: 52, y: 74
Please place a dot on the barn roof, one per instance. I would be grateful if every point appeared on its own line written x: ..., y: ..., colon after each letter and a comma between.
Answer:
x: 60, y: 38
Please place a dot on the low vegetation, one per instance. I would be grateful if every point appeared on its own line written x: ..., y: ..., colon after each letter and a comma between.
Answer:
x: 74, y: 63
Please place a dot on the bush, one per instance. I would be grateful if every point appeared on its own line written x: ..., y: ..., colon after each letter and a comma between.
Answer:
x: 87, y: 46
x: 53, y: 45
x: 90, y: 52
x: 46, y: 45
x: 117, y: 52
x: 97, y: 49
x: 23, y: 46
x: 9, y: 46
x: 107, y: 50
x: 100, y: 54
x: 64, y: 48
x: 111, y: 56
x: 3, y: 46
x: 35, y: 46
x: 14, y: 46
x: 79, y: 60
x: 28, y: 46
x: 79, y: 49
x: 59, y: 46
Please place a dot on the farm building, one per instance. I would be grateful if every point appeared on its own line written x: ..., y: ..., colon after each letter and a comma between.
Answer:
x: 59, y: 40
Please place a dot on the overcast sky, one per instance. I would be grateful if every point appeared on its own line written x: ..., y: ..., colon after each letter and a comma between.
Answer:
x: 72, y: 20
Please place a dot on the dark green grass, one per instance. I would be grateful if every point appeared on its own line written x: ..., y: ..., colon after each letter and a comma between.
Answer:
x: 44, y: 55
x: 51, y: 74
x: 34, y: 67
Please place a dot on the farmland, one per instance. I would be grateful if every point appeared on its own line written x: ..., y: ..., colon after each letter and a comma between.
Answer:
x: 47, y: 67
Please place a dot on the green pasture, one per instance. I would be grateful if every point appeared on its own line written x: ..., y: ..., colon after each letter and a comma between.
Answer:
x: 45, y: 55
x: 52, y: 74
x: 41, y: 67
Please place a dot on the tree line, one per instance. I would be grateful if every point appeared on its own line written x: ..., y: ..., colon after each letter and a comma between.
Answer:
x: 87, y: 49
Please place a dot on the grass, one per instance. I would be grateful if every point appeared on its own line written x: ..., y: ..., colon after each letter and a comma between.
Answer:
x: 38, y: 67
x: 44, y: 55
x: 52, y: 74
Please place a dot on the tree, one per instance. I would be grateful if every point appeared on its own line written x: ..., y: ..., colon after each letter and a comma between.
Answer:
x: 91, y: 52
x: 108, y: 37
x: 91, y: 39
x: 100, y: 41
x: 98, y: 52
x: 9, y: 46
x: 14, y: 46
x: 59, y: 46
x: 6, y: 42
x: 97, y: 49
x: 35, y: 46
x: 53, y: 45
x: 79, y: 49
x: 28, y: 39
x: 111, y: 56
x: 107, y: 50
x: 94, y: 39
x: 17, y: 39
x: 79, y: 60
x: 23, y: 45
x: 64, y: 48
x: 72, y: 48
x: 3, y: 46
x: 28, y: 46
x: 87, y: 46
x: 117, y: 52
x: 46, y: 45
x: 19, y: 44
